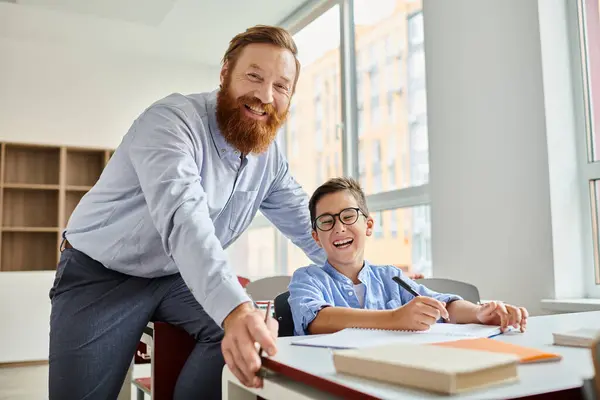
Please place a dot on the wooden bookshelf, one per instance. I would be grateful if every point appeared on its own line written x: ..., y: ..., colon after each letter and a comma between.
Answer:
x: 40, y: 186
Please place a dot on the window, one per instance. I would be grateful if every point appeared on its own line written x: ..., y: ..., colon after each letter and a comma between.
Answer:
x: 590, y: 168
x: 388, y: 25
x: 415, y: 29
x: 392, y: 179
x: 378, y: 225
x: 410, y: 250
x: 375, y: 111
x: 390, y: 87
x: 319, y: 53
x: 360, y: 117
x: 376, y: 166
x: 318, y: 124
x: 362, y: 166
x: 393, y: 223
x: 253, y: 254
x: 293, y: 143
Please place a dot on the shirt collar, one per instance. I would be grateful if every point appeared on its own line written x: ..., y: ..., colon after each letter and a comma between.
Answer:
x: 363, y: 275
x: 221, y: 145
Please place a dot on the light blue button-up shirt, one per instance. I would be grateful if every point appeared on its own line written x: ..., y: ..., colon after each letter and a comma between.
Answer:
x: 314, y: 287
x: 175, y: 194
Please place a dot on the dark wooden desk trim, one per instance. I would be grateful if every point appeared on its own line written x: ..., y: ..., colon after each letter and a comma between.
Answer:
x: 314, y: 381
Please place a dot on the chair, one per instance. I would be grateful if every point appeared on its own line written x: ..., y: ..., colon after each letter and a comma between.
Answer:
x: 465, y: 290
x: 283, y: 315
x: 268, y: 288
x: 171, y: 347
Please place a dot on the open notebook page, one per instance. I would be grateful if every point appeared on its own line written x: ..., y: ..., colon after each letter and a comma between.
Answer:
x: 352, y: 338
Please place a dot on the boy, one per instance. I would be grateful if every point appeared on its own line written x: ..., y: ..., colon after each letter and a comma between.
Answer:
x: 349, y: 292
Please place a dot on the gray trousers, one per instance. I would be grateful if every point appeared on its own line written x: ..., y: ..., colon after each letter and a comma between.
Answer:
x: 97, y: 319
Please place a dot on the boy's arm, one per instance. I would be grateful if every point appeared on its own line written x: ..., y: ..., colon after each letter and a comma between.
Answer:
x: 463, y: 312
x: 492, y: 313
x: 314, y: 312
x: 333, y: 319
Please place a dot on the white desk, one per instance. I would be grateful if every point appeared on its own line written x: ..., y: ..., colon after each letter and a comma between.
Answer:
x: 535, y: 379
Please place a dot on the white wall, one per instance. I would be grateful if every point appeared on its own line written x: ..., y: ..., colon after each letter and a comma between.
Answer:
x: 490, y: 179
x: 63, y: 94
x: 78, y: 96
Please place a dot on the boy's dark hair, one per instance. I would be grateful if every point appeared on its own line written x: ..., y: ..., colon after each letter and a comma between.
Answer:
x: 335, y: 185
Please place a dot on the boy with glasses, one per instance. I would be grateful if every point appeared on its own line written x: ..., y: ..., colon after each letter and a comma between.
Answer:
x: 348, y: 291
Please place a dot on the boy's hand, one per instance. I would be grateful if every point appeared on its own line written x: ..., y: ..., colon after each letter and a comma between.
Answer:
x: 505, y: 315
x: 418, y: 314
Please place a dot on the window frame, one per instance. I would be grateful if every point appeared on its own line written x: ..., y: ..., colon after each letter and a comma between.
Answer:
x: 403, y: 197
x: 589, y: 170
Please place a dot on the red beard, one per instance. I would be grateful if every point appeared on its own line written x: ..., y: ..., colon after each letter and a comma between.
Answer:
x: 242, y: 132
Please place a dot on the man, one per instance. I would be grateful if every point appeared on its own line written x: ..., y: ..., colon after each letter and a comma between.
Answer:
x: 147, y: 242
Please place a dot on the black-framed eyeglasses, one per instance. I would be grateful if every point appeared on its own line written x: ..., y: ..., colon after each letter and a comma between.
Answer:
x: 326, y: 222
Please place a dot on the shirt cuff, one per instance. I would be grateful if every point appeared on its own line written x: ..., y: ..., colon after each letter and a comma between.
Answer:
x: 310, y: 313
x: 224, y: 299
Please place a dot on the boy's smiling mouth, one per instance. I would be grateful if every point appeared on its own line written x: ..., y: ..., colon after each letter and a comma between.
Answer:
x: 343, y: 243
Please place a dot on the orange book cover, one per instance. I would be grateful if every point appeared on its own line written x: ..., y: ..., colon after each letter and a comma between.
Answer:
x: 525, y: 354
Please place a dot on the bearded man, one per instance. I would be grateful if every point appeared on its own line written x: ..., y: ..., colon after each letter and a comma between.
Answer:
x: 147, y: 242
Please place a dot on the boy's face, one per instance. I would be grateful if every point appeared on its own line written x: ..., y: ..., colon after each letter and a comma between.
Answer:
x: 344, y: 243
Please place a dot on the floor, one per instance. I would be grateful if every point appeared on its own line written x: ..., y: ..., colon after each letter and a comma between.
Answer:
x: 24, y: 383
x: 31, y: 382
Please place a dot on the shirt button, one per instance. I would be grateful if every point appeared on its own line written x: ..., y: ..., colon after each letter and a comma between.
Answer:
x: 222, y: 150
x: 350, y: 293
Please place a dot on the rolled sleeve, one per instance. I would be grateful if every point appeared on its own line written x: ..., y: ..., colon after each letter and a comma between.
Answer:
x: 306, y: 300
x: 163, y: 153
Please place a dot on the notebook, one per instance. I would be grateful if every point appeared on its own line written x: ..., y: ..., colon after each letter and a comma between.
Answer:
x: 582, y: 337
x: 433, y: 368
x: 525, y: 354
x: 353, y: 338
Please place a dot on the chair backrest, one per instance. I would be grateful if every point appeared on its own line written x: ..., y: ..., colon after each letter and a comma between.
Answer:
x: 283, y: 314
x: 268, y: 288
x: 465, y: 290
x: 243, y: 281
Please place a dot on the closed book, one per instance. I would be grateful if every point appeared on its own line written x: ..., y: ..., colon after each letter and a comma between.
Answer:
x: 582, y: 337
x: 432, y: 368
x: 526, y: 354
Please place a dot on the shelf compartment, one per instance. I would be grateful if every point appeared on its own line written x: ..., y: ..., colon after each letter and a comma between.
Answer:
x: 84, y: 167
x: 29, y: 251
x: 71, y: 201
x: 30, y: 208
x: 31, y: 164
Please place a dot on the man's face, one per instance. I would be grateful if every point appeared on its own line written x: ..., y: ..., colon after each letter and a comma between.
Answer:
x: 255, y: 96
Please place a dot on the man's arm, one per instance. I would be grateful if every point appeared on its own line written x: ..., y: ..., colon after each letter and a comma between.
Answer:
x: 163, y: 152
x: 286, y: 206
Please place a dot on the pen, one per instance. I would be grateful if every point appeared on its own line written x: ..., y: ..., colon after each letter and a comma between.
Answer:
x: 266, y: 319
x: 408, y: 288
x: 405, y: 286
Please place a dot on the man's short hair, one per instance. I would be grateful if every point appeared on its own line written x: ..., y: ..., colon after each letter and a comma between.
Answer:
x: 335, y: 185
x: 262, y: 34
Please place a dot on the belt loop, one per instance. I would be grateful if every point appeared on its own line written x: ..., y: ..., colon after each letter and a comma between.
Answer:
x: 62, y: 243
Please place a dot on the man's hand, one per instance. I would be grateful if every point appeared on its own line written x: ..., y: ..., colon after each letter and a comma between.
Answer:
x: 244, y: 327
x: 505, y: 315
x: 418, y: 314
